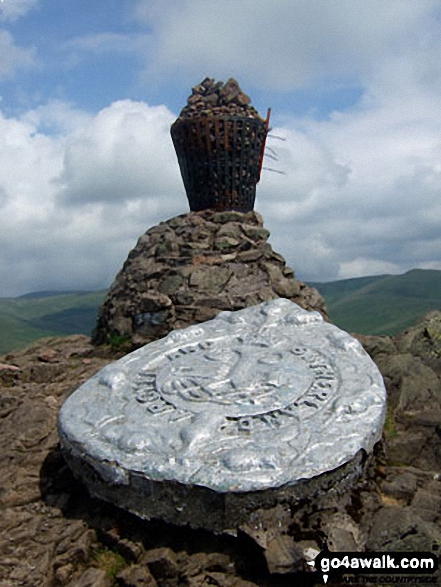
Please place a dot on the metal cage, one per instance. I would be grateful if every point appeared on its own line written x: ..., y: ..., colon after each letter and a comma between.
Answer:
x: 220, y: 160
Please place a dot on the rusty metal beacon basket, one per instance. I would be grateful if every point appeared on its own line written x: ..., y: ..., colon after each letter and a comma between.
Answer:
x: 220, y: 158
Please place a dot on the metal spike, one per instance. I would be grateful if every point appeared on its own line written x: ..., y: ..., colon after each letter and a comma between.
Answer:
x: 276, y: 137
x: 275, y: 170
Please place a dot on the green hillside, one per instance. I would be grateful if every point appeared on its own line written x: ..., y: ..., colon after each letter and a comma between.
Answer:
x: 27, y: 318
x: 382, y: 304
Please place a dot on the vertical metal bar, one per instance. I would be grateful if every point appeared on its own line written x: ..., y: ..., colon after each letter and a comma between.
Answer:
x: 217, y: 187
x: 227, y: 155
x: 235, y: 181
x: 243, y: 153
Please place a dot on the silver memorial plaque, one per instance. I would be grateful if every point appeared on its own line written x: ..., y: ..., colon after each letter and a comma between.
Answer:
x: 251, y: 400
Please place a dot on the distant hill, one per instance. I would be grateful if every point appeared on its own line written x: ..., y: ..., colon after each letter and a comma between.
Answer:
x: 27, y: 318
x: 382, y: 304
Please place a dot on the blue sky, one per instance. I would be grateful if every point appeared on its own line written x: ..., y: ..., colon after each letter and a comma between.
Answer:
x: 89, y: 90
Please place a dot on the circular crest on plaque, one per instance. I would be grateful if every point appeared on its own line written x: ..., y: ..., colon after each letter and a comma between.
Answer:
x: 253, y: 399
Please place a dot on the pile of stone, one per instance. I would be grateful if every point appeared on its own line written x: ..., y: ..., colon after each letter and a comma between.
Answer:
x: 188, y: 269
x: 211, y: 98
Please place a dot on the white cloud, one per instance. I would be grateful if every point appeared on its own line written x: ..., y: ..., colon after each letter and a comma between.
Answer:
x: 12, y: 56
x: 282, y: 44
x: 125, y: 151
x: 101, y: 43
x: 74, y: 203
x: 57, y: 117
x: 13, y: 9
x: 360, y: 194
x: 371, y: 202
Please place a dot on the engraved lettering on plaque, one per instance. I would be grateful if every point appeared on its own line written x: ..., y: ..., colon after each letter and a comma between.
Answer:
x: 250, y: 400
x: 250, y: 382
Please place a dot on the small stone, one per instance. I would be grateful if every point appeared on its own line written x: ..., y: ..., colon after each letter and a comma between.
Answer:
x: 136, y: 576
x: 199, y: 89
x: 250, y: 256
x: 227, y: 216
x: 63, y: 574
x: 427, y: 504
x: 256, y: 233
x: 243, y: 99
x: 199, y: 562
x: 6, y: 367
x: 230, y: 91
x: 195, y: 246
x: 48, y: 356
x: 402, y: 485
x: 193, y: 99
x: 210, y: 279
x: 211, y: 100
x: 230, y: 229
x: 286, y: 288
x: 162, y: 563
x: 213, y: 259
x: 202, y: 314
x: 171, y: 284
x: 282, y: 554
x: 93, y: 578
x: 208, y: 83
x: 401, y: 529
x: 217, y: 579
x: 153, y: 302
x: 225, y: 242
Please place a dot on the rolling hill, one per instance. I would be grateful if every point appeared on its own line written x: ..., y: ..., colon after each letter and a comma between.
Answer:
x: 382, y: 304
x: 27, y: 318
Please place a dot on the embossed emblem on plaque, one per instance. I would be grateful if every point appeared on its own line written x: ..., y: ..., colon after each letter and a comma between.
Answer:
x: 252, y: 399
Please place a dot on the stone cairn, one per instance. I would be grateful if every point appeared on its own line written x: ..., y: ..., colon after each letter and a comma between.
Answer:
x: 219, y: 140
x: 188, y: 269
x: 210, y: 98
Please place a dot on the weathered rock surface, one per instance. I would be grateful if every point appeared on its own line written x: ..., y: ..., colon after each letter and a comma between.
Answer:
x: 53, y: 534
x: 424, y: 340
x: 190, y: 268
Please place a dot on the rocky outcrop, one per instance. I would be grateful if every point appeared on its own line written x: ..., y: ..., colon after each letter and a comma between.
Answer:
x: 411, y: 485
x: 410, y: 368
x: 190, y: 268
x: 53, y: 534
x: 424, y: 340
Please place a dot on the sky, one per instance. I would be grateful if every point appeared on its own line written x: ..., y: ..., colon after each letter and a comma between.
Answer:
x: 88, y: 91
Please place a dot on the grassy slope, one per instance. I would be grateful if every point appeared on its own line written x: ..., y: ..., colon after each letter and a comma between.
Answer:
x: 25, y: 319
x: 385, y: 304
